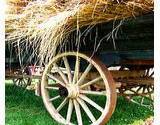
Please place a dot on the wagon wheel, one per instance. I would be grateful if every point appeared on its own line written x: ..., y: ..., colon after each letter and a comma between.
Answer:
x: 146, y: 90
x: 22, y: 82
x: 149, y: 73
x: 143, y: 90
x: 68, y: 100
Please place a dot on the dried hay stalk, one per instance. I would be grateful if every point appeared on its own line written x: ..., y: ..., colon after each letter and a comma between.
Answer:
x: 45, y: 24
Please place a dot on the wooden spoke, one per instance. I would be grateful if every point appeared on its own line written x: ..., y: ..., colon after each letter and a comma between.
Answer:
x: 24, y: 82
x: 69, y: 112
x: 144, y: 90
x: 84, y: 74
x: 139, y: 89
x: 93, y: 92
x: 61, y: 74
x: 53, y: 88
x: 147, y: 72
x: 62, y: 104
x: 151, y: 74
x: 76, y: 72
x: 68, y: 69
x: 133, y: 91
x: 151, y: 88
x: 56, y: 79
x: 19, y: 82
x: 15, y: 80
x: 86, y: 109
x: 54, y: 98
x: 85, y: 98
x: 91, y: 82
x: 148, y: 89
x: 149, y: 92
x: 78, y: 112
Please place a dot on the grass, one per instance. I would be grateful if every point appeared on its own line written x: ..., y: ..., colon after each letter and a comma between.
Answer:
x: 24, y: 108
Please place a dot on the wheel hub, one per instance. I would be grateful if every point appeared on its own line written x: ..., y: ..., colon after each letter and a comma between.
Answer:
x: 73, y: 90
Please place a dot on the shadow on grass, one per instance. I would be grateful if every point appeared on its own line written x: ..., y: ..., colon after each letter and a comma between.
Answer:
x: 24, y: 108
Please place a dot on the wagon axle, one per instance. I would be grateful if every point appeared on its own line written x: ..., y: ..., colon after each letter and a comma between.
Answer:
x: 63, y: 92
x: 71, y: 91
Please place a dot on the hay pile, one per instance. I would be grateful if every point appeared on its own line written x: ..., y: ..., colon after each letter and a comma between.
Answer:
x: 44, y: 24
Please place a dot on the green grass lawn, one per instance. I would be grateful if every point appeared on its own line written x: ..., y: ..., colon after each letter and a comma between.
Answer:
x: 24, y: 108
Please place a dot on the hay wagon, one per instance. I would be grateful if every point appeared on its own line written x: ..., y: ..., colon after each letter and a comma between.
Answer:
x: 80, y: 86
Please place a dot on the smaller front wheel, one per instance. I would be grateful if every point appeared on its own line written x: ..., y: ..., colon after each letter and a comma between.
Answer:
x: 21, y: 79
x: 22, y: 82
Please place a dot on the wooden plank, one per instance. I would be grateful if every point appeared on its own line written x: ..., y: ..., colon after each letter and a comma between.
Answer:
x: 119, y: 74
x: 138, y: 62
x: 138, y: 81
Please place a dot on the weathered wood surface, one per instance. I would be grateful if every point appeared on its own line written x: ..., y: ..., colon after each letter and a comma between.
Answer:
x: 133, y: 34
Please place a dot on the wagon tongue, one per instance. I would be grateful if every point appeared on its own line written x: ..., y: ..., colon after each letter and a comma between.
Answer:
x: 63, y: 92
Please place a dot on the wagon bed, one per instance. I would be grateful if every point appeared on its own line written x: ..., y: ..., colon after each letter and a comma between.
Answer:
x: 121, y: 66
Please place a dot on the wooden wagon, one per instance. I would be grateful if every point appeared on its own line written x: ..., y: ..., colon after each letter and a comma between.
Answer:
x: 82, y: 84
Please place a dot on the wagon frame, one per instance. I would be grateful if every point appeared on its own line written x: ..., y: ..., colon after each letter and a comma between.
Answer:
x: 134, y: 77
